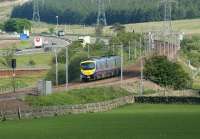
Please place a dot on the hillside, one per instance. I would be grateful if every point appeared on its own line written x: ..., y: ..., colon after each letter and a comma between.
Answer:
x: 6, y: 7
x: 126, y: 11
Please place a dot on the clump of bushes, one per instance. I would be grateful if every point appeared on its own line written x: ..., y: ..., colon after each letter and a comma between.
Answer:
x: 166, y: 73
x: 74, y: 70
x: 17, y: 25
x: 191, y: 49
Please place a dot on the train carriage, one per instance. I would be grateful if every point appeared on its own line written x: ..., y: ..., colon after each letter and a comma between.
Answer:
x: 99, y: 68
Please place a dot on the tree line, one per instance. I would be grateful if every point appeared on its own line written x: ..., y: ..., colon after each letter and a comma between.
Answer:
x: 117, y: 11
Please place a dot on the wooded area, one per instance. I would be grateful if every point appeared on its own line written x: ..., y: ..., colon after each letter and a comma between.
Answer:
x: 117, y: 11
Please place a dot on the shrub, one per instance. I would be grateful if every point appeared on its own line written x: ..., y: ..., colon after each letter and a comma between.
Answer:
x: 51, y: 75
x: 74, y: 69
x: 31, y: 62
x: 17, y: 25
x: 166, y: 73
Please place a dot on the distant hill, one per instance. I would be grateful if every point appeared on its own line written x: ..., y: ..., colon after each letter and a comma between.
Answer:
x: 122, y: 11
x: 6, y: 7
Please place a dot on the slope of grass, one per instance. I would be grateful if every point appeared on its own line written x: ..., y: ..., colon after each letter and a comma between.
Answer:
x: 21, y: 82
x: 39, y: 59
x: 188, y: 26
x: 80, y: 96
x: 130, y: 122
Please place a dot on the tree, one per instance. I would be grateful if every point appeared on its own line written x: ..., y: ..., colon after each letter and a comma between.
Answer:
x: 5, y: 60
x: 1, y: 26
x: 51, y: 30
x: 17, y: 25
x: 166, y: 73
x: 117, y: 27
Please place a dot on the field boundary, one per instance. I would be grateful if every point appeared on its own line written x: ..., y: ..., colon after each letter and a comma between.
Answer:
x: 50, y: 111
x: 167, y: 100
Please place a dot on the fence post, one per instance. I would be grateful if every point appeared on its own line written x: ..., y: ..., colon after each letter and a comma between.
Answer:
x: 19, y: 112
x: 3, y: 116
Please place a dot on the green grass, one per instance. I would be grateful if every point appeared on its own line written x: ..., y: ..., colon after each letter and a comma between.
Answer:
x: 24, y: 45
x: 188, y: 26
x: 39, y: 59
x: 130, y: 122
x: 78, y: 96
x: 22, y: 81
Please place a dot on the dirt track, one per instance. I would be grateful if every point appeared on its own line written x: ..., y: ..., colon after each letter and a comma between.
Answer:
x: 8, y: 43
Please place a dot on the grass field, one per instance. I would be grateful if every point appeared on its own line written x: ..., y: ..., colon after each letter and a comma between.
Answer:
x: 39, y: 59
x: 188, y: 26
x: 22, y: 81
x: 130, y: 122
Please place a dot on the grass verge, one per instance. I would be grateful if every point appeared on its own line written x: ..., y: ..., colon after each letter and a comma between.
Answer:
x: 78, y: 96
x: 21, y: 82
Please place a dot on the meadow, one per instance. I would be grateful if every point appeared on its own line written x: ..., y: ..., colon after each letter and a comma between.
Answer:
x: 138, y: 121
x: 188, y: 26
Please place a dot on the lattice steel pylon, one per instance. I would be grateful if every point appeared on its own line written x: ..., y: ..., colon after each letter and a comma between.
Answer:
x: 167, y: 25
x: 36, y: 11
x: 101, y: 15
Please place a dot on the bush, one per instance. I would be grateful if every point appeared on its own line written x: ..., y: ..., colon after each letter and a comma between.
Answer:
x: 17, y: 25
x: 51, y: 75
x: 166, y: 73
x: 1, y: 26
x: 31, y: 62
x: 74, y: 69
x: 191, y: 49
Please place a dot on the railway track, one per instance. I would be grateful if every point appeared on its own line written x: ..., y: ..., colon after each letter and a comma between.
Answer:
x: 22, y: 71
x: 75, y: 85
x: 11, y: 100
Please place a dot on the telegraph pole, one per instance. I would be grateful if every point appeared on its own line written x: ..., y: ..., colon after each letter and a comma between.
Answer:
x: 141, y: 73
x: 129, y: 50
x: 57, y: 24
x: 67, y: 63
x: 122, y: 62
x: 135, y: 49
x: 56, y: 56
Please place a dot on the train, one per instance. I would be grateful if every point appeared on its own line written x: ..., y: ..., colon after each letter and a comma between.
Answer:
x: 99, y: 68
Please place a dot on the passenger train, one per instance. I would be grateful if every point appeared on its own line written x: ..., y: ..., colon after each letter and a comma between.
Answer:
x: 99, y: 68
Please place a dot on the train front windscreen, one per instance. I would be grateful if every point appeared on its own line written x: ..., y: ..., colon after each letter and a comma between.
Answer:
x: 88, y: 66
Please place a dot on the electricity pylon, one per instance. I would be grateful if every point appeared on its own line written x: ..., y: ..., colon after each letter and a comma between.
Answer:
x: 167, y: 25
x: 101, y: 16
x: 36, y: 11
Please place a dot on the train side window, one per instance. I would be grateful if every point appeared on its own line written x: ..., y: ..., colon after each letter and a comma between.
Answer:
x: 106, y: 63
x: 97, y: 66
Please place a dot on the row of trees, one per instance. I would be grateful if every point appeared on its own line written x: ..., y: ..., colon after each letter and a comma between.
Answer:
x: 126, y: 11
x: 16, y: 25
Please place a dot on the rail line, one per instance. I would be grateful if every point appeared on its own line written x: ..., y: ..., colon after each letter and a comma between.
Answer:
x: 22, y: 71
